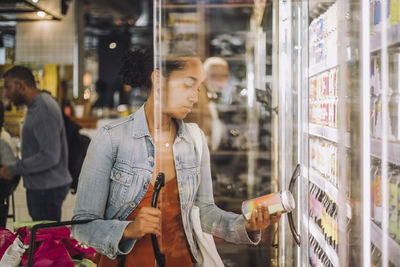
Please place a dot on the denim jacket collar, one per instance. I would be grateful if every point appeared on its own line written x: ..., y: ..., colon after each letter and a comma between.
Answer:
x: 141, y: 129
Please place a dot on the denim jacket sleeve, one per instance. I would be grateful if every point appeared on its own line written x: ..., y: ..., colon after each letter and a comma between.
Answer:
x: 104, y: 235
x: 223, y: 224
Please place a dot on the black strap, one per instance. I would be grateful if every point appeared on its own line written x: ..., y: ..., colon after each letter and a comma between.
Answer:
x: 121, y: 260
x: 160, y: 181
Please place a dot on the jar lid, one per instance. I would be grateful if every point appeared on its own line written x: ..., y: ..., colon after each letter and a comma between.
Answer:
x: 288, y: 201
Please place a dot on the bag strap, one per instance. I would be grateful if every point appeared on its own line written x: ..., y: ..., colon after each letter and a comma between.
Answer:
x: 194, y: 131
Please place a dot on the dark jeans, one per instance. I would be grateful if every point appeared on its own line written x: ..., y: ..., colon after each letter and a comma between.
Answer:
x: 46, y: 204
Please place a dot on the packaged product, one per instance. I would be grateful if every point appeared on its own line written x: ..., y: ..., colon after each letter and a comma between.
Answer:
x: 393, y: 202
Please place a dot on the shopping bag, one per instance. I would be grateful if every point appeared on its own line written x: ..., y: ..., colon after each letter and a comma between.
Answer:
x: 6, y: 239
x: 77, y: 251
x: 57, y: 233
x: 52, y: 239
x: 50, y: 253
x: 13, y: 254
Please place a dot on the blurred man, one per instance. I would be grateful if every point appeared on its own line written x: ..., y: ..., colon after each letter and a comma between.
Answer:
x: 217, y: 74
x: 205, y: 113
x: 44, y: 162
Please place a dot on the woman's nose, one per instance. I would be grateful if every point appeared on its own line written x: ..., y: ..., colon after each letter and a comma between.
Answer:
x: 194, y: 96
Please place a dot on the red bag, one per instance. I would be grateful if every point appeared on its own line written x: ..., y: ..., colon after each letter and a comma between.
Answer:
x: 57, y: 233
x: 50, y: 253
x: 56, y: 247
x: 6, y: 239
x: 77, y: 251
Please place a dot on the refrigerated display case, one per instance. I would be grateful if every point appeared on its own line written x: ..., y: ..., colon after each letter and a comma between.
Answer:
x: 337, y: 87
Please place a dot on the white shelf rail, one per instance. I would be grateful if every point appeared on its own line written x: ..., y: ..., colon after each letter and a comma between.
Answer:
x: 393, y: 151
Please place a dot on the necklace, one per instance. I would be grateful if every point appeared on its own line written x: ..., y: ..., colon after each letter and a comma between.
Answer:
x: 169, y: 136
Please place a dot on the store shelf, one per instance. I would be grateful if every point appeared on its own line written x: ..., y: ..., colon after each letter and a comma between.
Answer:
x: 315, y: 231
x: 393, y: 247
x: 225, y: 153
x: 229, y: 5
x: 231, y: 108
x: 393, y: 37
x: 207, y: 5
x: 393, y: 151
x: 317, y: 8
x: 328, y: 133
x: 327, y: 187
x: 323, y: 184
x: 180, y: 6
x: 321, y: 67
x: 235, y: 58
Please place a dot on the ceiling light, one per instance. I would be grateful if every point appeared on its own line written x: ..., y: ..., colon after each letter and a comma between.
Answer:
x: 41, y: 14
x: 113, y: 45
x: 35, y: 1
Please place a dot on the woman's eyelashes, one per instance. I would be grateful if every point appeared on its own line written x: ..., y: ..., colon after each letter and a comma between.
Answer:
x: 189, y: 83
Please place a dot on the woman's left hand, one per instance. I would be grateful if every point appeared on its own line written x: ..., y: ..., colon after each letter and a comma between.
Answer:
x: 261, y: 219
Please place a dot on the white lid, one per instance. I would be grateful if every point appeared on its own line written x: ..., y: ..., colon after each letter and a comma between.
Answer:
x: 288, y: 201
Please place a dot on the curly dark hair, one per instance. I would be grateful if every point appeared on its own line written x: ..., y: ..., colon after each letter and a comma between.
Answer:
x: 21, y: 73
x: 137, y: 66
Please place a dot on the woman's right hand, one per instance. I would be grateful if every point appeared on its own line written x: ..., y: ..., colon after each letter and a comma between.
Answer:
x: 147, y: 221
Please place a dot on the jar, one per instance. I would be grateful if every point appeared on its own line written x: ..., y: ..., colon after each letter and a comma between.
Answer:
x: 280, y: 201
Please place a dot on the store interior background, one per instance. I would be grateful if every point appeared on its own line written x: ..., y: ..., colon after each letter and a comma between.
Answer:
x: 289, y: 50
x: 74, y: 49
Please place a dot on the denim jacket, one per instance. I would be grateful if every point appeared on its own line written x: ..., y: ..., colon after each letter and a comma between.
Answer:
x: 116, y: 175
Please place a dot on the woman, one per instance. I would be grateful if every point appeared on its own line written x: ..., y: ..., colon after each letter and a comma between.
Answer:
x: 118, y: 174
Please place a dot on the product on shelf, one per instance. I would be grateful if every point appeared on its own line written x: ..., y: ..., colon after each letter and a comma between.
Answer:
x: 323, y: 98
x: 318, y: 256
x: 323, y: 158
x: 374, y: 169
x: 228, y: 44
x: 376, y: 97
x: 323, y: 38
x: 393, y: 14
x: 376, y: 255
x: 323, y: 211
x: 394, y: 183
x: 378, y: 196
x: 398, y: 211
x: 393, y: 97
x: 183, y: 32
x: 394, y: 101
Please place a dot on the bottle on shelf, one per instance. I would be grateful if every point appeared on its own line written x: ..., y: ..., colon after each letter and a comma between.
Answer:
x: 394, y: 183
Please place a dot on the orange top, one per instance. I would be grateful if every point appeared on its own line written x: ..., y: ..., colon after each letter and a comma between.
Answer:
x: 172, y: 243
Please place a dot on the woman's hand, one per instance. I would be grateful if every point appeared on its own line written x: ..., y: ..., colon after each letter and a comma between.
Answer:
x: 147, y: 221
x: 262, y: 220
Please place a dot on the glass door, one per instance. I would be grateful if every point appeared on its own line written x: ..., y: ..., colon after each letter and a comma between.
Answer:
x: 232, y: 40
x: 382, y: 63
x: 292, y: 144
